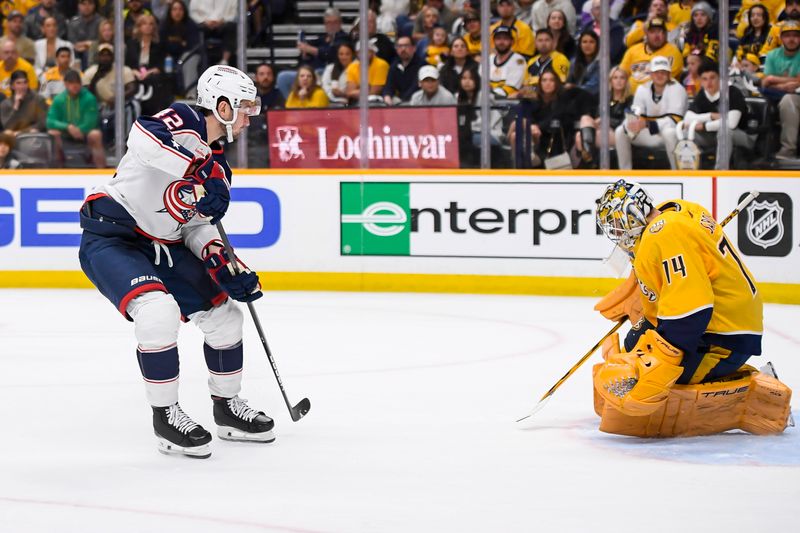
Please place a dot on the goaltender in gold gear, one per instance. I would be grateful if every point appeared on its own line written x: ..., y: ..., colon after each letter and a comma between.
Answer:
x: 697, y: 317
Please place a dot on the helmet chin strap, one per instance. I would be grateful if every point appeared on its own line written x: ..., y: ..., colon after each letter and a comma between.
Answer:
x: 228, y: 123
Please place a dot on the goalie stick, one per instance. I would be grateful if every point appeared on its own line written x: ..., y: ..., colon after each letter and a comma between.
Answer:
x: 301, y: 409
x: 546, y: 397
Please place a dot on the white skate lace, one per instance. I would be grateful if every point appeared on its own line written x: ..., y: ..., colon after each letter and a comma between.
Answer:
x: 240, y: 408
x: 180, y: 420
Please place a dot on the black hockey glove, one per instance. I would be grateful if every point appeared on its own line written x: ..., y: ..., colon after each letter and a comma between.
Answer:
x: 243, y: 287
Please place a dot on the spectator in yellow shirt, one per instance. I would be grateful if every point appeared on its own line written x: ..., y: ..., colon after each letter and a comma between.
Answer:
x: 472, y: 35
x: 12, y: 62
x: 377, y: 73
x: 680, y: 12
x: 657, y: 9
x: 636, y: 61
x: 523, y: 34
x: 305, y: 91
x: 438, y: 49
x: 547, y: 59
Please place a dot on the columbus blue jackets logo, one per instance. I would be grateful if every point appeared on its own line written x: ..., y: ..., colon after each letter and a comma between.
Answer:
x: 179, y: 200
x: 765, y: 227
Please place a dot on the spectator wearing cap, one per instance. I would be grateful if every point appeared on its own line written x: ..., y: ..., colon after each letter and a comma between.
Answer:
x: 35, y: 18
x: 15, y: 32
x: 523, y: 35
x: 616, y: 31
x: 402, y: 81
x: 51, y: 82
x: 24, y: 111
x: 658, y: 105
x: 100, y: 77
x: 7, y: 161
x: 321, y: 50
x: 548, y: 58
x: 701, y: 33
x: 782, y: 78
x: 636, y: 60
x: 217, y: 20
x: 658, y: 9
x: 377, y: 73
x: 472, y: 33
x: 46, y: 46
x: 431, y: 93
x: 506, y: 67
x: 83, y: 29
x: 73, y: 119
x: 11, y: 63
x: 703, y: 115
x: 542, y: 8
x: 791, y: 14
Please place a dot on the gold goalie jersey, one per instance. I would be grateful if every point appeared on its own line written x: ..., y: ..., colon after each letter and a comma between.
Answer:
x: 697, y: 291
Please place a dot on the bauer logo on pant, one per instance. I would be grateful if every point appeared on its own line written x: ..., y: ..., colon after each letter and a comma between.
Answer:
x: 765, y: 227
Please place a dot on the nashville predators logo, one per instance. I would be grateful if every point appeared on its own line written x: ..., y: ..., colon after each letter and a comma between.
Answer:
x: 649, y: 294
x: 179, y: 200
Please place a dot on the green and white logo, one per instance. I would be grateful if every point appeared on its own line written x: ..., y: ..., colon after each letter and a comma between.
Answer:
x: 375, y: 218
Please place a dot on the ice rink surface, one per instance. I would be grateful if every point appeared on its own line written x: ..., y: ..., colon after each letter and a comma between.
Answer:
x: 411, y: 428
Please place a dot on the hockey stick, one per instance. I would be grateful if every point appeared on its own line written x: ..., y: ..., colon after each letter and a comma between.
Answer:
x: 304, y: 406
x: 543, y: 401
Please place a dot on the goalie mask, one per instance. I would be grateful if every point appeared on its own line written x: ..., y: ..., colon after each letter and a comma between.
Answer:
x: 223, y: 81
x: 622, y: 213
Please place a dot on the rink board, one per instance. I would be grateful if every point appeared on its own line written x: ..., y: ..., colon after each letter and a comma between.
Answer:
x: 430, y: 231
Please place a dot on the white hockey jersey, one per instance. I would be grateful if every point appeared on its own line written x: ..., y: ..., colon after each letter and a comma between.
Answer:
x: 149, y: 181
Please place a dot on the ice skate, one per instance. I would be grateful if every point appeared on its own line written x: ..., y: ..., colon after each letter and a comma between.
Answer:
x: 239, y: 422
x: 178, y: 434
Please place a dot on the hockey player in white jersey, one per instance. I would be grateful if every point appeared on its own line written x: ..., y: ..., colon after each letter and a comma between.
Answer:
x: 150, y: 246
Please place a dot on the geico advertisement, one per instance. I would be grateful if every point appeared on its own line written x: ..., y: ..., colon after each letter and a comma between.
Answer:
x: 39, y: 223
x: 541, y: 220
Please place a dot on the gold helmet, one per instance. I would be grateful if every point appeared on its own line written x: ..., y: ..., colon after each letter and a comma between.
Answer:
x: 622, y: 213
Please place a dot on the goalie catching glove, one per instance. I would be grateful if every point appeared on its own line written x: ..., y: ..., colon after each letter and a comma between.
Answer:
x: 624, y: 301
x: 213, y: 193
x: 638, y: 382
x: 244, y: 286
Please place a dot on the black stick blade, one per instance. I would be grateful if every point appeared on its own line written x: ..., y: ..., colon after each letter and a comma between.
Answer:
x: 301, y: 409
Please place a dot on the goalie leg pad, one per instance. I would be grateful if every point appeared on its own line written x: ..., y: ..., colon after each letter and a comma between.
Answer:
x: 748, y: 400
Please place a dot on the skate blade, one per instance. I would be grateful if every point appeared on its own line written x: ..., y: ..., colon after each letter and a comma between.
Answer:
x: 233, y: 434
x: 195, y: 452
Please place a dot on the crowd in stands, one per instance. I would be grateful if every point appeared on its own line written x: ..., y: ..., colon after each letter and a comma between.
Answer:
x: 57, y: 72
x: 544, y: 68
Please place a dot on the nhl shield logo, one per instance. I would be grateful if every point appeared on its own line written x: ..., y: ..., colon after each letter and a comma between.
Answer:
x: 765, y: 223
x: 288, y: 143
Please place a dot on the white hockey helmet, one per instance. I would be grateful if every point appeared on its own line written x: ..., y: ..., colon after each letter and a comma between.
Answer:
x: 622, y: 213
x: 220, y: 81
